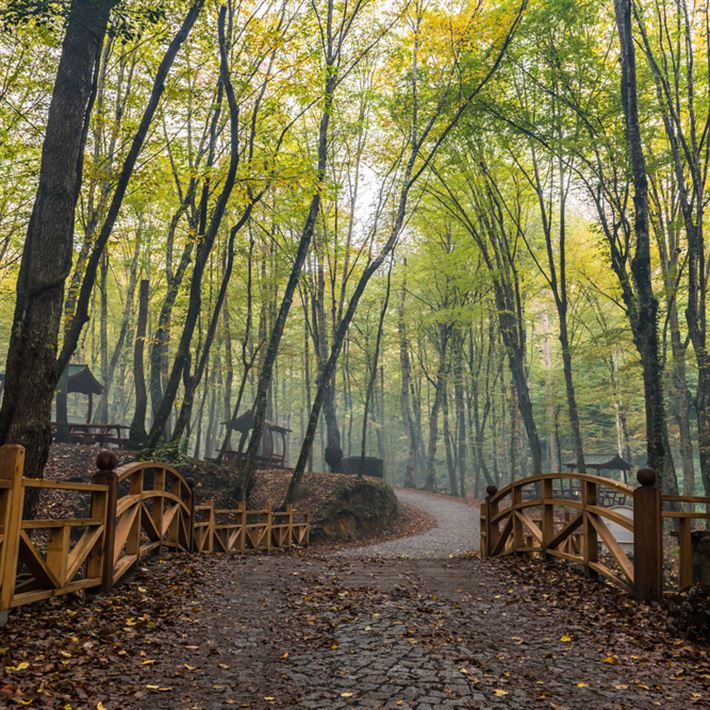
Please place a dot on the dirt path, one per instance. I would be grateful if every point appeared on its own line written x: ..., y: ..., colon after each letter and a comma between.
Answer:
x: 456, y: 531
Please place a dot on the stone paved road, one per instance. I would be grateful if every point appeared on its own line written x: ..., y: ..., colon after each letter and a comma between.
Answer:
x: 326, y: 632
x: 456, y: 531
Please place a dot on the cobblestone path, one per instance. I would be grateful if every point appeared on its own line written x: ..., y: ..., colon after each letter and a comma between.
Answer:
x: 424, y: 632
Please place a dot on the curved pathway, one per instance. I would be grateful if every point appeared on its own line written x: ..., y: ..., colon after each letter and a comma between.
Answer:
x: 456, y: 531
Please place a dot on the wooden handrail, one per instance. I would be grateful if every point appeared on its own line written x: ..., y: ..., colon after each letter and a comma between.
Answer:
x: 510, y: 529
x: 94, y: 551
x: 125, y: 471
x: 582, y: 477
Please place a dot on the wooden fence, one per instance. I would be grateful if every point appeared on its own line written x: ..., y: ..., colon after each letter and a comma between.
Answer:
x: 240, y: 530
x: 559, y: 515
x: 126, y: 513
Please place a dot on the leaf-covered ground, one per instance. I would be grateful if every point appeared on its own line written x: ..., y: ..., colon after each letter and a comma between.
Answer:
x: 316, y: 629
x: 323, y: 631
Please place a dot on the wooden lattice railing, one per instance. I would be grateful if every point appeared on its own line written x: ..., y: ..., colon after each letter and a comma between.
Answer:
x: 49, y: 557
x: 240, y: 530
x: 560, y: 515
x: 682, y: 511
x: 151, y: 506
x: 126, y: 513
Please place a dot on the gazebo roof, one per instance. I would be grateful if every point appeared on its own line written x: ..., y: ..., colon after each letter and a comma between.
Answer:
x: 245, y: 422
x: 80, y: 379
x: 603, y: 462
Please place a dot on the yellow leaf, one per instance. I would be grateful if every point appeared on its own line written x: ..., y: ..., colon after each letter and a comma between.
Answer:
x: 19, y: 667
x: 269, y: 698
x: 346, y: 695
x: 612, y: 660
x: 565, y: 638
x: 499, y: 692
x: 142, y: 590
x: 152, y: 686
x: 189, y: 667
x: 66, y: 654
x: 27, y: 702
x: 284, y: 656
x: 582, y: 684
x: 333, y: 646
x: 149, y: 662
x: 622, y: 686
x: 100, y: 706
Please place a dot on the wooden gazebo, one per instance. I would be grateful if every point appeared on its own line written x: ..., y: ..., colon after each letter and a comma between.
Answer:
x: 273, y: 451
x: 598, y: 463
x: 80, y: 380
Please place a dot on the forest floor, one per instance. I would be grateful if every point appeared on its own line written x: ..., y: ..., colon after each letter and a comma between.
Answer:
x: 314, y: 629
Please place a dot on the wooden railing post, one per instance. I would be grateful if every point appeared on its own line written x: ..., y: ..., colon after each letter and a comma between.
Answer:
x: 106, y: 462
x: 12, y: 464
x: 548, y: 514
x: 269, y: 527
x: 648, y: 542
x: 590, y: 542
x: 191, y: 524
x: 518, y: 541
x: 243, y: 520
x: 491, y: 529
x: 289, y: 511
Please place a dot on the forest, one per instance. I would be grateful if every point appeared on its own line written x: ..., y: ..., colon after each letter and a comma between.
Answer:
x: 466, y: 238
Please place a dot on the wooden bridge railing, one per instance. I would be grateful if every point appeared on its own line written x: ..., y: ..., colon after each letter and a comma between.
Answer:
x: 682, y: 510
x: 239, y: 530
x: 537, y: 516
x: 127, y: 513
x: 47, y: 557
x: 150, y: 504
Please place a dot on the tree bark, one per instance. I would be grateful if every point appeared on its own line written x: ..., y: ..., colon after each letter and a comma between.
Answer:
x: 646, y: 315
x: 30, y: 373
x: 137, y: 431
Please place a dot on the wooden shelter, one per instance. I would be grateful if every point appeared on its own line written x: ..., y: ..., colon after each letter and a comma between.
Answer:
x: 598, y: 463
x: 80, y: 380
x: 273, y: 451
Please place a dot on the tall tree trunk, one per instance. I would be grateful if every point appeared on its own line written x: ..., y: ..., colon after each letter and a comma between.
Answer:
x: 31, y: 373
x: 102, y: 409
x: 646, y: 315
x: 267, y: 367
x: 137, y: 431
x: 405, y: 367
x: 375, y: 360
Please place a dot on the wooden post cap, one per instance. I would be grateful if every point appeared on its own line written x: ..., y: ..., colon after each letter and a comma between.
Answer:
x: 491, y: 490
x: 106, y: 460
x: 646, y: 476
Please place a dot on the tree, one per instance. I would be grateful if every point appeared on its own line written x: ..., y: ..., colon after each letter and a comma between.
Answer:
x: 30, y: 374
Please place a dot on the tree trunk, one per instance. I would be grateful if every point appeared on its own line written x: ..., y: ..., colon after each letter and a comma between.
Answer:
x: 137, y: 431
x: 646, y: 316
x: 406, y: 372
x: 31, y: 373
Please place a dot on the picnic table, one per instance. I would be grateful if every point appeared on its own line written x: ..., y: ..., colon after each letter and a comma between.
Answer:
x: 101, y: 434
x: 273, y: 461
